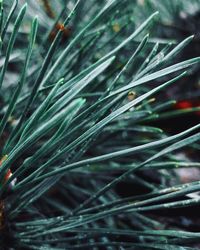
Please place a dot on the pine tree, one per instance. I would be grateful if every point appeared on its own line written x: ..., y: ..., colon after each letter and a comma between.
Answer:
x: 83, y: 163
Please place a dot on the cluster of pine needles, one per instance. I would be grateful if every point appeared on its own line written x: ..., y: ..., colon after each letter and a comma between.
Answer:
x: 84, y: 162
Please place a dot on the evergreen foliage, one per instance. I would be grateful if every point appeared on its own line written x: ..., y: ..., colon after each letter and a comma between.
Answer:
x: 84, y: 164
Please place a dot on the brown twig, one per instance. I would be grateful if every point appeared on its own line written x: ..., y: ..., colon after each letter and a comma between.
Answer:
x: 48, y: 9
